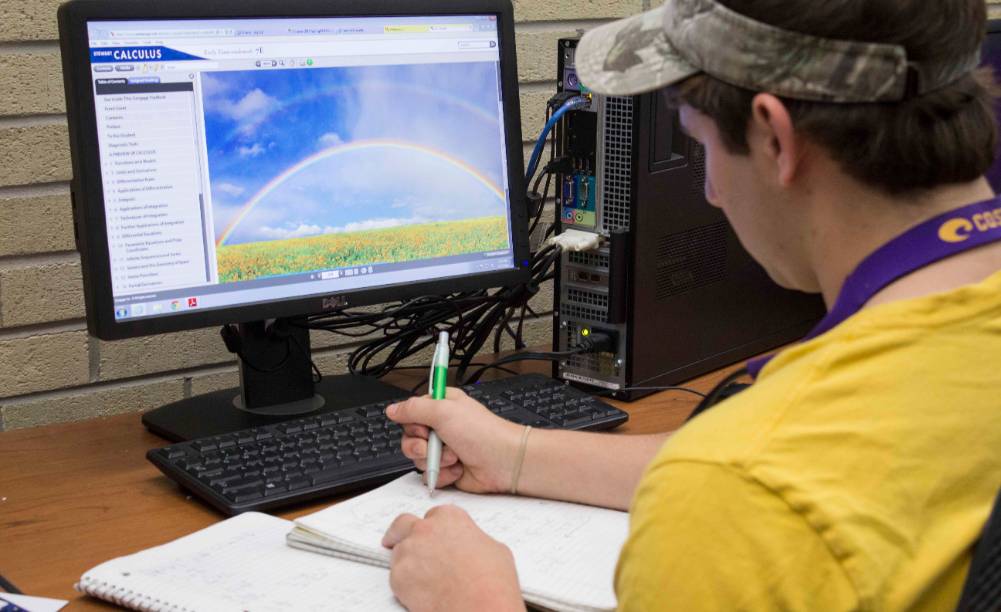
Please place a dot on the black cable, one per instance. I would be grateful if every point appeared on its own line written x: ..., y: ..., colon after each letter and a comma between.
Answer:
x: 719, y: 392
x: 416, y: 387
x: 668, y: 388
x: 8, y: 587
x: 554, y: 356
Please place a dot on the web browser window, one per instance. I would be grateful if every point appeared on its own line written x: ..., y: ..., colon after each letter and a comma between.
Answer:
x: 253, y: 160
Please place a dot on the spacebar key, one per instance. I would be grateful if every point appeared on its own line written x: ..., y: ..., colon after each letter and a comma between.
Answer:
x: 335, y: 474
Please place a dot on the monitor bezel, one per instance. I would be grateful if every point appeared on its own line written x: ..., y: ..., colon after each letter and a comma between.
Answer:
x: 88, y: 195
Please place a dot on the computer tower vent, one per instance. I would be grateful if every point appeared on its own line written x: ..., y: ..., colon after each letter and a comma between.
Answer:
x: 583, y: 312
x: 594, y: 260
x: 698, y: 165
x: 617, y: 150
x: 591, y: 298
x: 691, y: 259
x: 582, y: 304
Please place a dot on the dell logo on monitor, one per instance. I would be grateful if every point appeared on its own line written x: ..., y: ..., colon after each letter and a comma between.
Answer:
x: 334, y: 301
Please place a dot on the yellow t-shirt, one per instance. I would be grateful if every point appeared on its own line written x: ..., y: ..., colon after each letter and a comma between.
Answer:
x: 855, y: 474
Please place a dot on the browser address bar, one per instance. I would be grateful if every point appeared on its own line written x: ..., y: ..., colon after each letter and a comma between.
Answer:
x: 194, y: 33
x: 336, y: 48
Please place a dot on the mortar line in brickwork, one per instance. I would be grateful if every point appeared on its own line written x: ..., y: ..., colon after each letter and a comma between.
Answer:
x: 29, y: 46
x: 42, y: 329
x: 38, y: 259
x: 35, y: 190
x: 30, y: 121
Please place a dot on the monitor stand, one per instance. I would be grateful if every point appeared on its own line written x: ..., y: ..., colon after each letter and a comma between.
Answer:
x: 276, y: 384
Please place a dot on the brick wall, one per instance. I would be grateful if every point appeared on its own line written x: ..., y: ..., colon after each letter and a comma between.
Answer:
x: 50, y: 369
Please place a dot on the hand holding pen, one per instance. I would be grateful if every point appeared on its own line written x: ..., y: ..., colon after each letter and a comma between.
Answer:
x: 436, y: 388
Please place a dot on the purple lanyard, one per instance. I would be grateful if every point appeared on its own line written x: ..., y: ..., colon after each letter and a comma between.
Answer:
x: 944, y: 236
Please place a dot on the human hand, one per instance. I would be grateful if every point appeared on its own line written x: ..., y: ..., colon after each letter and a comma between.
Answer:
x: 479, y: 446
x: 445, y: 562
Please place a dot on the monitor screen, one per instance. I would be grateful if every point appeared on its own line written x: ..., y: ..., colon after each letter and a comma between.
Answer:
x: 254, y: 160
x: 991, y: 56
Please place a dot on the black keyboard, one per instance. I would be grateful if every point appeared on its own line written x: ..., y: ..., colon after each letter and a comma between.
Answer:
x: 316, y: 456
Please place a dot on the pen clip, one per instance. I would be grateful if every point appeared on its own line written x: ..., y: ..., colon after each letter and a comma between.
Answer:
x: 434, y: 357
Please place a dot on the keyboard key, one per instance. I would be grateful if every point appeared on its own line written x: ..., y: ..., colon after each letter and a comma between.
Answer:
x: 299, y: 482
x: 247, y: 495
x: 575, y: 422
x: 273, y: 489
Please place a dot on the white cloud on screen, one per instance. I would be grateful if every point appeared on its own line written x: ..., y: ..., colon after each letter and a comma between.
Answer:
x: 251, y: 151
x: 248, y: 112
x: 255, y: 103
x: 329, y: 139
x: 303, y: 230
x: 230, y: 189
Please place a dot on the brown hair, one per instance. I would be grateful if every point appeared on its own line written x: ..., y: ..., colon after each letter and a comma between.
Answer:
x: 943, y: 137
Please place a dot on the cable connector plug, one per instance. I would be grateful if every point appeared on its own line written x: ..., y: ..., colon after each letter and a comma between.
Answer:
x: 575, y: 240
x: 596, y: 342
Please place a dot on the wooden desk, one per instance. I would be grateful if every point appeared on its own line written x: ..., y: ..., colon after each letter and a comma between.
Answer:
x: 77, y: 494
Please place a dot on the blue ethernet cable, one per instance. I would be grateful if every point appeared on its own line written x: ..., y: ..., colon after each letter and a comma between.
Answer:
x: 569, y: 105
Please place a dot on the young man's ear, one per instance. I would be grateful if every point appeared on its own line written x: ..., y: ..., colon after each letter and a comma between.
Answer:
x: 771, y: 131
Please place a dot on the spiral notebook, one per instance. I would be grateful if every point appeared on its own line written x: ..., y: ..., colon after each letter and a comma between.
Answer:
x: 565, y: 553
x: 239, y: 564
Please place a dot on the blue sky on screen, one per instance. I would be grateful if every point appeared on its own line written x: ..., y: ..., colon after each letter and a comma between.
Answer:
x: 311, y: 151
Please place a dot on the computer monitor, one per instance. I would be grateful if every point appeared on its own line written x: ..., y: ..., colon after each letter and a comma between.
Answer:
x: 247, y: 161
x: 991, y: 56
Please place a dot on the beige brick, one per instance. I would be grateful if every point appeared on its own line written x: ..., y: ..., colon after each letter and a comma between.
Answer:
x: 28, y: 20
x: 90, y: 403
x: 41, y: 293
x: 556, y: 10
x: 31, y: 83
x: 164, y: 353
x: 34, y: 154
x: 332, y: 363
x: 43, y: 362
x: 533, y: 112
x: 37, y: 224
x: 216, y: 381
x: 537, y: 54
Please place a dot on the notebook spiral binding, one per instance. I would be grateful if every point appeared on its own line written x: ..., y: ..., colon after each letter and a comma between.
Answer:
x: 126, y: 598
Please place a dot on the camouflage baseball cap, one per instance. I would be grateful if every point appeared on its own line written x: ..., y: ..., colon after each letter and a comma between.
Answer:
x: 685, y: 37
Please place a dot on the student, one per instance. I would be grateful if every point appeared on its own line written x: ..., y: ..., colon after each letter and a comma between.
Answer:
x: 846, y: 141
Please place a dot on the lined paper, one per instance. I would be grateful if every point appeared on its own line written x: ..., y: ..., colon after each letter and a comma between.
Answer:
x: 239, y: 564
x: 564, y: 553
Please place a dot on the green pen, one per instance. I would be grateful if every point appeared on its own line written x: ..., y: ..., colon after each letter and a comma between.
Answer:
x: 436, y: 387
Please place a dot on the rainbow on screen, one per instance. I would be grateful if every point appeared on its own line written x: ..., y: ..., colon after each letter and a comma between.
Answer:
x: 346, y: 148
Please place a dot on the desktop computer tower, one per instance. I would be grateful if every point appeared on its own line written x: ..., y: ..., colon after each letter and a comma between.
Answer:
x: 671, y: 283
